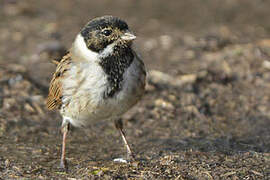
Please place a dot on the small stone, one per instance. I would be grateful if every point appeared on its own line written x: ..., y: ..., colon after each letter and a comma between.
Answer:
x: 120, y: 160
x: 7, y: 163
x: 166, y: 42
x: 29, y: 108
x: 163, y: 104
x: 266, y: 64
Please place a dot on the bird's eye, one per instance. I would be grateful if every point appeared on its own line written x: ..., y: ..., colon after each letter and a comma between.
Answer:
x: 107, y: 32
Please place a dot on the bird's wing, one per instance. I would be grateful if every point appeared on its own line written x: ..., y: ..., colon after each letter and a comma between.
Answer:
x: 54, y: 99
x: 141, y: 64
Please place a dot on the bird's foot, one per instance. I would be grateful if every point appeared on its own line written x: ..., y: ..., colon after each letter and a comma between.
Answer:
x: 130, y: 158
x: 63, y: 165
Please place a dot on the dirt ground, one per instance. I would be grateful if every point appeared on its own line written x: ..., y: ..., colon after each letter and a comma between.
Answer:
x: 206, y: 111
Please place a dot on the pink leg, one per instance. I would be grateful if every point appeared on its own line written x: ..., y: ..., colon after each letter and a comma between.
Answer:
x: 119, y: 125
x: 64, y: 129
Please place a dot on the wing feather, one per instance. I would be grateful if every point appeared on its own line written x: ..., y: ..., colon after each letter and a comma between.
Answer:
x: 54, y: 99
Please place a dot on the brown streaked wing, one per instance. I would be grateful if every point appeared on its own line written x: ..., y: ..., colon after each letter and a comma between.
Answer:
x: 54, y: 99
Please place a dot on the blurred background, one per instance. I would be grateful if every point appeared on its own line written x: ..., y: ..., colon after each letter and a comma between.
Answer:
x: 206, y: 112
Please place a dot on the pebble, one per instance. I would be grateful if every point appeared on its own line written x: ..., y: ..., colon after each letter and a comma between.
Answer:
x: 120, y: 160
x: 164, y: 104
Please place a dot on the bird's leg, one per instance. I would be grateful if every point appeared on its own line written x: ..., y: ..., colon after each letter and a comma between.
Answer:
x: 64, y: 130
x: 119, y: 125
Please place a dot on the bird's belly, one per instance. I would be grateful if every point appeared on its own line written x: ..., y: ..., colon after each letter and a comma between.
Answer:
x: 85, y: 108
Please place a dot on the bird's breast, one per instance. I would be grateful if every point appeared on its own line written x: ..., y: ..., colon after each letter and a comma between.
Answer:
x: 84, y: 91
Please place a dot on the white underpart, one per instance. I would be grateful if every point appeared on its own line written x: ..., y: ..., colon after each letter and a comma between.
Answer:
x: 67, y: 120
x: 86, y: 82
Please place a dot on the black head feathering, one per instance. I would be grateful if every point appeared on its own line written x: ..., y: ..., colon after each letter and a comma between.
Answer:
x: 103, y: 22
x: 93, y: 32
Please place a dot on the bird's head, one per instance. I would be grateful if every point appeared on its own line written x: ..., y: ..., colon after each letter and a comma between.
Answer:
x: 102, y: 37
x: 104, y: 31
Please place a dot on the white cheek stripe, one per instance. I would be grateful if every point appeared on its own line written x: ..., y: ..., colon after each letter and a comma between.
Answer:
x: 107, y: 51
x: 80, y: 49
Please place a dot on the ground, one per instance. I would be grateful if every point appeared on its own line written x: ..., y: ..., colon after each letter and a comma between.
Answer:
x: 206, y: 111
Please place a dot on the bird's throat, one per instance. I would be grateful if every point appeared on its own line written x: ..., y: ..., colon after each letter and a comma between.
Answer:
x: 115, y: 65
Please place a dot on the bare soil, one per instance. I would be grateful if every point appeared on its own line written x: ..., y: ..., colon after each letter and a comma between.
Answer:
x: 206, y: 111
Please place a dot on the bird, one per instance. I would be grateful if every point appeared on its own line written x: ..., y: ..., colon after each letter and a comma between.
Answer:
x: 100, y: 78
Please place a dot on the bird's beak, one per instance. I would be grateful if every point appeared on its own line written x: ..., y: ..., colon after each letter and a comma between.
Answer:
x: 128, y: 36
